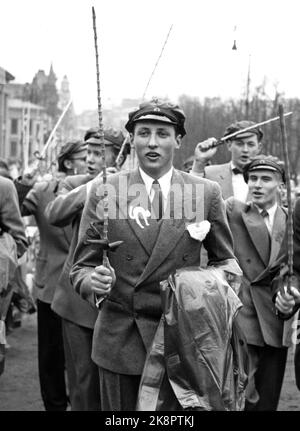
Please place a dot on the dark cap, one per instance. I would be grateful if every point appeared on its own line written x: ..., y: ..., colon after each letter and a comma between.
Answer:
x: 240, y: 125
x: 158, y: 110
x: 267, y: 163
x: 70, y: 150
x: 111, y: 137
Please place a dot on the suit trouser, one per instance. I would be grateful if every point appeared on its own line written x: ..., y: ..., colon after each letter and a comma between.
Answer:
x: 118, y: 392
x: 51, y: 359
x: 82, y: 372
x: 266, y: 372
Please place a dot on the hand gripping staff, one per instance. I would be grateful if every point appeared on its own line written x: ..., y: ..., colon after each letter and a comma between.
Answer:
x: 104, y: 237
x: 246, y: 129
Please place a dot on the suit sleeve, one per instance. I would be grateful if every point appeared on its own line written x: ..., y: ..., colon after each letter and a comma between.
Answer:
x: 11, y: 219
x: 219, y: 241
x: 62, y: 210
x: 87, y: 256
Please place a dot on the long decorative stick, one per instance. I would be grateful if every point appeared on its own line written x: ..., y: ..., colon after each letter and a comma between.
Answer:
x: 156, y: 64
x: 289, y: 195
x: 246, y: 129
x: 144, y: 94
x: 102, y: 144
x: 104, y: 236
x: 42, y: 156
x: 45, y: 148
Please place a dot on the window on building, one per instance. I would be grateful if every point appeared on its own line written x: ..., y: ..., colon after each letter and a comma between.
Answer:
x: 13, y: 149
x: 14, y: 126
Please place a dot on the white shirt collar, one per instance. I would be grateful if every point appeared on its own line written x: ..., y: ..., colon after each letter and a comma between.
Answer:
x: 164, y: 182
x: 271, y: 211
x: 270, y: 220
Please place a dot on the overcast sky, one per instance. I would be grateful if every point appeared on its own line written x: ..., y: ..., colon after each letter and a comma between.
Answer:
x: 198, y: 59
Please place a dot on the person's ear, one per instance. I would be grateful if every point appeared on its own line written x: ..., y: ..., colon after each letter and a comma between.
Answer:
x: 229, y: 145
x: 68, y: 164
x: 259, y: 147
x: 178, y: 140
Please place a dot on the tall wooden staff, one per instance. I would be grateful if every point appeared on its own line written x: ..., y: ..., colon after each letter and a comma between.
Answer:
x: 104, y: 237
x: 289, y: 196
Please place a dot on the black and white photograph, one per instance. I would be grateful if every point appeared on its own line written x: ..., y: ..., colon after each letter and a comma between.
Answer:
x: 149, y: 208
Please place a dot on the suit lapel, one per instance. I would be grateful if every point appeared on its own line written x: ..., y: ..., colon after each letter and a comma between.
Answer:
x: 258, y: 232
x: 278, y: 232
x: 171, y: 229
x: 225, y: 181
x: 130, y: 200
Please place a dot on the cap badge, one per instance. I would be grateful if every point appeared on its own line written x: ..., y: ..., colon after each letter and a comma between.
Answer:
x: 157, y: 109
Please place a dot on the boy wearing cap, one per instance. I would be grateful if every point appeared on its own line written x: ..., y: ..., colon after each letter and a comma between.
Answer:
x: 154, y: 244
x: 54, y: 246
x: 229, y: 175
x: 258, y: 229
x: 79, y: 316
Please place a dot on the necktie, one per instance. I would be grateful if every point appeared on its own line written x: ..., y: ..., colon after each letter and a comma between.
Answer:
x: 157, y: 202
x: 265, y: 215
x: 236, y: 171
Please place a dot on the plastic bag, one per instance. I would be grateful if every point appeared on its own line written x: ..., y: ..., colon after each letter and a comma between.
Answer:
x: 204, y: 354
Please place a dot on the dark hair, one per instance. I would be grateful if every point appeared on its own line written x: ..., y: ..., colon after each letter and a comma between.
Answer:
x: 66, y: 152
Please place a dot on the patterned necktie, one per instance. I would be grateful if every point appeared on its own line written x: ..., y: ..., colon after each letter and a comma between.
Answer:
x: 157, y: 202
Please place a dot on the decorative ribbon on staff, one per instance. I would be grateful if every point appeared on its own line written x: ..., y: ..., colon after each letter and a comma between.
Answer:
x: 289, y: 197
x: 239, y: 132
x: 106, y: 246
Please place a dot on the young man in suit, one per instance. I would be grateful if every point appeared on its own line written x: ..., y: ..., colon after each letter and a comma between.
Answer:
x: 79, y: 316
x: 258, y: 229
x: 150, y: 218
x: 229, y: 175
x: 53, y: 250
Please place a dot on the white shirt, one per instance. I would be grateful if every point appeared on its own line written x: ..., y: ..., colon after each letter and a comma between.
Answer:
x: 164, y: 182
x: 269, y: 220
x: 240, y: 187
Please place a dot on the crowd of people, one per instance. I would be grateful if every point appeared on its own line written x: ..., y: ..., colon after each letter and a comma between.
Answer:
x: 107, y: 246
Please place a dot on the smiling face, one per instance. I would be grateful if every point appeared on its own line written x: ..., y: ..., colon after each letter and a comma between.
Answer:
x: 155, y: 143
x: 265, y: 187
x: 243, y: 148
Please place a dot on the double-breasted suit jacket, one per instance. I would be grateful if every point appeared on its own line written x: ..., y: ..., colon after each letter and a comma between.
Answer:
x: 66, y: 210
x: 129, y: 317
x: 256, y: 252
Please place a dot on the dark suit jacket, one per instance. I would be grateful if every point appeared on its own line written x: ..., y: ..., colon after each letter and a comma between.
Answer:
x: 10, y: 216
x: 54, y: 242
x: 65, y: 210
x: 251, y: 246
x: 129, y: 317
